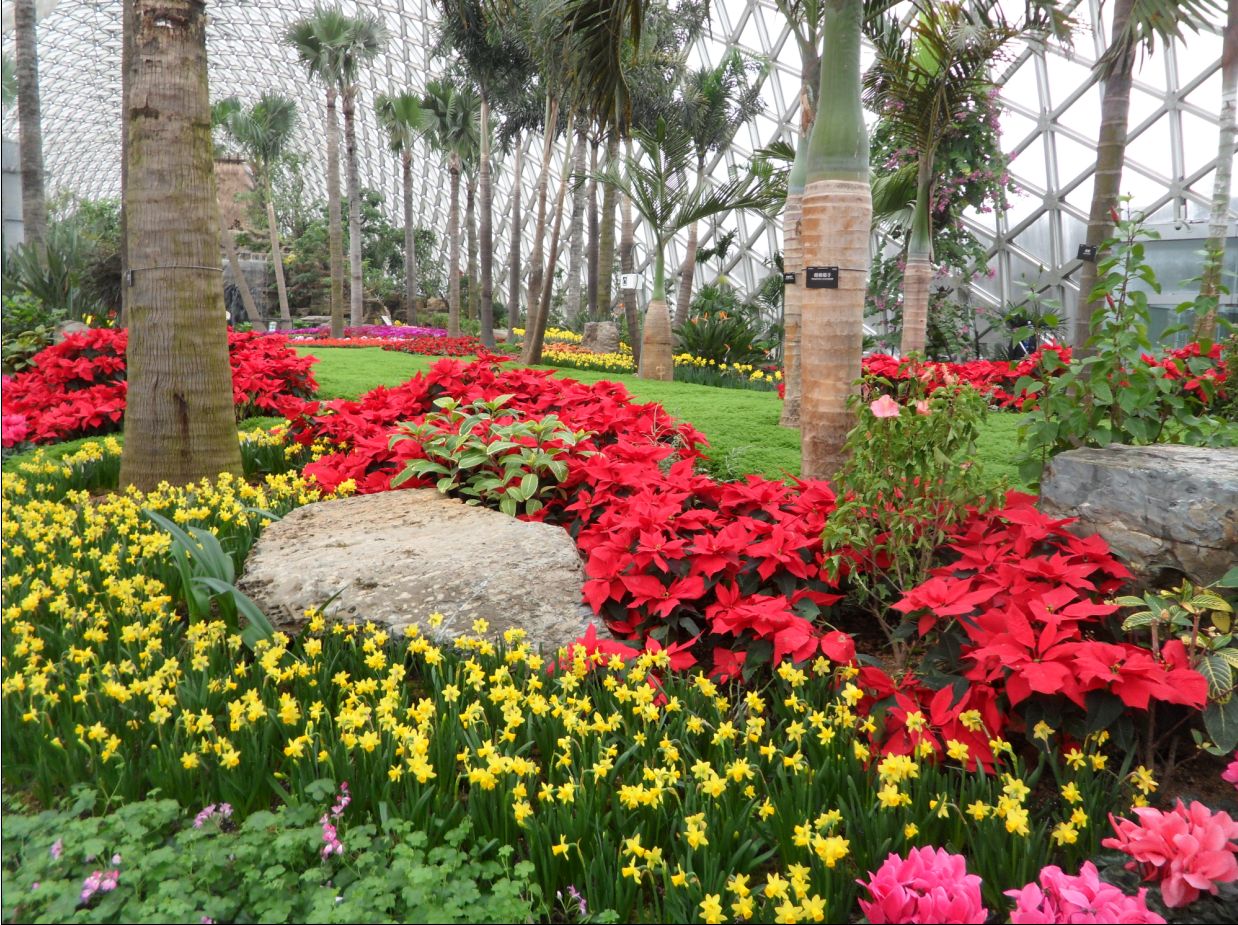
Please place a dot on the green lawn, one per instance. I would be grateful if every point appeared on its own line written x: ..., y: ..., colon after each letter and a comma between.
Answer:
x: 742, y: 425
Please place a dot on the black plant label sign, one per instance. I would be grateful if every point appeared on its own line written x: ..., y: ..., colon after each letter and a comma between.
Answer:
x: 788, y: 279
x: 1087, y: 252
x: 821, y: 277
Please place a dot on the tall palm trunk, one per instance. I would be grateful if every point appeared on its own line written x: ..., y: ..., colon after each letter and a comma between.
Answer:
x: 1106, y: 183
x: 453, y: 249
x: 919, y: 269
x: 535, y: 336
x: 356, y: 306
x: 410, y: 241
x: 277, y: 254
x: 834, y: 228
x: 657, y: 353
x: 576, y: 233
x: 627, y: 264
x: 591, y: 257
x: 33, y: 203
x: 606, y: 235
x: 485, y: 193
x: 334, y: 217
x: 513, y: 279
x: 1218, y: 225
x: 792, y: 300
x: 252, y: 311
x: 180, y: 424
x: 126, y: 63
x: 537, y: 269
x: 470, y: 224
x: 683, y: 297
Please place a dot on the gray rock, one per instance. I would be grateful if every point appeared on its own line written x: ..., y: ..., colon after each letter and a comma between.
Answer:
x: 65, y: 328
x: 1163, y: 508
x: 601, y: 337
x: 398, y: 556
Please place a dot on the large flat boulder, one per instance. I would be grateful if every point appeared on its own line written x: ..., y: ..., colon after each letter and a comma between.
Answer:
x: 1163, y: 508
x: 398, y: 556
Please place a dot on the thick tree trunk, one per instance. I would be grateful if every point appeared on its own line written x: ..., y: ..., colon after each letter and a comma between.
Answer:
x: 335, y: 217
x: 513, y: 279
x: 535, y: 336
x: 593, y: 251
x: 126, y: 63
x: 453, y: 250
x: 687, y: 272
x: 470, y: 224
x: 486, y: 193
x: 576, y: 234
x: 252, y: 312
x: 277, y: 254
x: 918, y: 271
x: 180, y: 424
x: 657, y: 348
x: 410, y: 241
x: 835, y: 225
x: 627, y: 264
x: 356, y: 302
x: 537, y: 269
x: 1218, y: 225
x: 606, y: 235
x: 26, y: 64
x: 1106, y: 184
x: 792, y: 299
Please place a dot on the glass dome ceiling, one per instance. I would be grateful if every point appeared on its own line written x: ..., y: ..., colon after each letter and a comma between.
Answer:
x: 1049, y: 124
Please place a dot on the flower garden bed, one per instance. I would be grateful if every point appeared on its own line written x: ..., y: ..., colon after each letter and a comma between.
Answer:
x: 732, y: 759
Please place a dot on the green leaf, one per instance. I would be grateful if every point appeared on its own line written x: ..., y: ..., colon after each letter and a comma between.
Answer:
x: 1221, y: 721
x: 1219, y: 673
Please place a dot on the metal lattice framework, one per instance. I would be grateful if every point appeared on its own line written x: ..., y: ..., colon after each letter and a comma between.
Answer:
x: 1049, y: 123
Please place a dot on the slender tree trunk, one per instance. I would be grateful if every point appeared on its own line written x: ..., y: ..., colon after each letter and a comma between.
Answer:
x: 470, y: 224
x: 335, y: 217
x: 535, y: 336
x: 594, y: 252
x: 919, y: 268
x: 834, y: 228
x: 277, y: 254
x: 513, y: 279
x: 238, y: 275
x: 410, y: 241
x: 26, y: 64
x: 537, y: 269
x: 606, y: 236
x: 180, y: 423
x: 792, y: 301
x: 1106, y: 184
x: 627, y: 264
x: 356, y: 305
x: 576, y: 234
x: 486, y: 193
x: 657, y: 351
x: 1218, y: 225
x: 453, y: 249
x: 126, y: 63
x: 687, y: 273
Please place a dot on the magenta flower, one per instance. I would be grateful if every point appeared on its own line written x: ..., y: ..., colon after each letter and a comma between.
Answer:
x: 929, y: 885
x: 1230, y: 774
x: 1188, y: 849
x: 56, y: 849
x: 1061, y: 898
x: 885, y: 407
x: 14, y: 428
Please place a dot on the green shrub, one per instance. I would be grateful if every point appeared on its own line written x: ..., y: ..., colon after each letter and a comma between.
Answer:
x: 28, y: 326
x: 723, y: 329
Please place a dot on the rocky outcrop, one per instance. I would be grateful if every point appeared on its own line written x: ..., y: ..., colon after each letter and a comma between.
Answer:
x: 1164, y: 509
x: 399, y: 556
x: 601, y: 337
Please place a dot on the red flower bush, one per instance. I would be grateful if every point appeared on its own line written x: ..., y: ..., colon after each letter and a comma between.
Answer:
x: 438, y: 346
x: 77, y: 388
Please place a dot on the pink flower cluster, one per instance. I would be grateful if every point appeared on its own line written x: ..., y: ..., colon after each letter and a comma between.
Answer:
x: 331, y: 843
x: 1188, y: 849
x: 929, y: 885
x: 1230, y: 774
x: 221, y: 812
x: 101, y: 881
x: 1061, y: 898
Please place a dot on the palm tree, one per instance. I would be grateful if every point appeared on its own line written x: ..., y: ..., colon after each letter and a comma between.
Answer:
x: 539, y: 312
x: 1136, y: 23
x: 264, y: 131
x: 716, y: 101
x: 26, y: 66
x: 653, y: 184
x: 318, y: 40
x: 221, y: 112
x: 576, y: 233
x: 792, y: 297
x: 452, y: 112
x: 180, y: 424
x: 403, y: 118
x: 834, y: 232
x: 921, y: 81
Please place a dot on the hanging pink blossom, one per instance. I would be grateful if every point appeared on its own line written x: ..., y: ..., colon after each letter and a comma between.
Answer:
x: 929, y: 885
x: 885, y: 407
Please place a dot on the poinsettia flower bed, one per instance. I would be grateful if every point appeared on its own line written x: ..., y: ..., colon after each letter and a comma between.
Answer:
x: 438, y: 346
x: 729, y: 575
x: 77, y: 388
